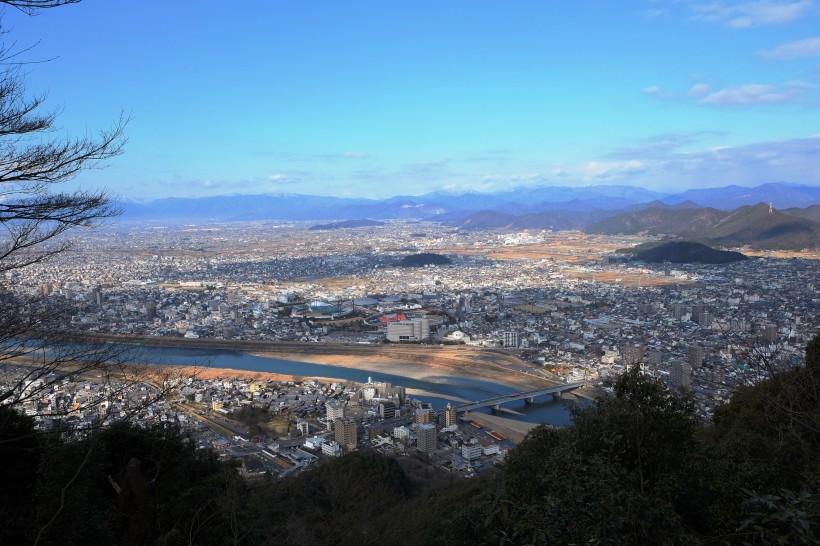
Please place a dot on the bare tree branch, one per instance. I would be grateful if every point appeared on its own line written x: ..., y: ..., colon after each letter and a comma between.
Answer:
x: 31, y: 7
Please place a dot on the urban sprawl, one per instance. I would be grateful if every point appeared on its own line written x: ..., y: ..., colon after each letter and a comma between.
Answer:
x: 565, y: 302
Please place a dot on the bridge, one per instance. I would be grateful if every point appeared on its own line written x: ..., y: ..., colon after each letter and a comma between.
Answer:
x: 528, y: 396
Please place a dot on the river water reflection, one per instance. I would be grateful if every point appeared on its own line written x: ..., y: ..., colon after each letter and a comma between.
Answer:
x: 435, y: 389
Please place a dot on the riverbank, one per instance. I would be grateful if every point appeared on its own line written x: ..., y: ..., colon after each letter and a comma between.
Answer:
x: 423, y: 362
x: 416, y: 365
x: 514, y: 430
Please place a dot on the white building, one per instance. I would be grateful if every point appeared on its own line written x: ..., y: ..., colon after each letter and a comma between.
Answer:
x: 417, y: 329
x: 491, y: 449
x: 315, y: 443
x: 332, y: 449
x: 334, y: 410
x: 401, y: 433
x: 471, y: 451
x: 510, y: 339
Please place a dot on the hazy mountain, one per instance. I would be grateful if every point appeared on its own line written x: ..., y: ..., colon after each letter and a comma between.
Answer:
x: 557, y: 220
x: 764, y: 228
x: 657, y: 204
x: 809, y: 213
x: 487, y: 220
x: 449, y: 206
x: 686, y: 222
x: 779, y: 194
x: 347, y: 224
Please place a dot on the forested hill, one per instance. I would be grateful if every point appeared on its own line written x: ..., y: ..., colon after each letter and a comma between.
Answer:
x: 679, y: 252
x: 423, y: 259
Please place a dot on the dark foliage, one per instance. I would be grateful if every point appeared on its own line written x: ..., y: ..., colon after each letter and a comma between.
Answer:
x: 688, y: 252
x: 425, y: 258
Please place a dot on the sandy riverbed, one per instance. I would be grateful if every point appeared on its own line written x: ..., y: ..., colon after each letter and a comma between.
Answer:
x: 432, y: 369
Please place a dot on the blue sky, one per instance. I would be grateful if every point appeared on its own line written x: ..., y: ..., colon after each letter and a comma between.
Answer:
x: 373, y: 99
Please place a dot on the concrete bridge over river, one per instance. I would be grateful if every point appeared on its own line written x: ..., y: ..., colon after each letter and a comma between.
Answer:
x: 528, y: 396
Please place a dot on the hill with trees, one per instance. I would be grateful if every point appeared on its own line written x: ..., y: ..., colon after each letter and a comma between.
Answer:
x: 679, y: 252
x: 423, y: 259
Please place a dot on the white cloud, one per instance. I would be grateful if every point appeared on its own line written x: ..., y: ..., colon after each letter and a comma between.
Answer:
x: 699, y: 90
x: 752, y: 14
x: 354, y: 155
x: 795, y: 160
x: 752, y: 94
x: 657, y: 93
x: 599, y: 169
x: 799, y: 49
x: 281, y: 178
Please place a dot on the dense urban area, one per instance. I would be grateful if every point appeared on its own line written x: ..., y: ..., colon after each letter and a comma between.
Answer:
x: 565, y: 302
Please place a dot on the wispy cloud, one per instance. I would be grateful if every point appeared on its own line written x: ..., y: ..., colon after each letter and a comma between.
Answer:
x: 746, y: 95
x: 660, y: 146
x: 755, y: 94
x: 799, y: 49
x: 610, y: 169
x: 751, y: 14
x: 283, y: 179
x: 657, y: 93
x: 699, y: 90
x: 354, y: 155
x: 796, y: 160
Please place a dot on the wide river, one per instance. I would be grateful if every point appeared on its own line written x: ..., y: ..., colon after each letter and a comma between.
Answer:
x: 544, y: 410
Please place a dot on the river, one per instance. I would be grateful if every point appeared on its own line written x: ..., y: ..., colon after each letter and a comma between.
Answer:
x: 433, y: 389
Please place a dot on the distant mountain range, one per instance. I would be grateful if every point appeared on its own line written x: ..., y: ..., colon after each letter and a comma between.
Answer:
x: 448, y: 206
x: 730, y: 215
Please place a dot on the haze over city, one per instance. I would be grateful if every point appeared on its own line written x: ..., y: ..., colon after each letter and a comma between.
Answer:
x: 373, y: 99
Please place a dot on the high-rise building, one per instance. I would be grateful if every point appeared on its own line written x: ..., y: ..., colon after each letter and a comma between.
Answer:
x: 346, y: 433
x: 98, y: 296
x: 334, y: 410
x: 450, y: 416
x: 387, y: 410
x: 696, y: 354
x: 680, y: 375
x: 678, y: 310
x: 150, y: 310
x: 653, y: 359
x: 631, y: 353
x: 510, y: 339
x: 770, y: 333
x: 424, y: 415
x: 471, y: 451
x: 426, y: 439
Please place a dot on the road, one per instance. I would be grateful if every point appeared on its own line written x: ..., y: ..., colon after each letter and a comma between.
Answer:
x: 221, y: 427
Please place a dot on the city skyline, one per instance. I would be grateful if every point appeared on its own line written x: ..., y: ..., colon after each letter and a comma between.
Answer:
x: 371, y: 100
